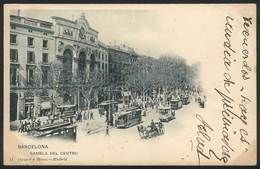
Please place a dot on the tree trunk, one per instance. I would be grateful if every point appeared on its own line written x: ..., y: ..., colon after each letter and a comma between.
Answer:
x: 143, y: 98
x: 88, y: 109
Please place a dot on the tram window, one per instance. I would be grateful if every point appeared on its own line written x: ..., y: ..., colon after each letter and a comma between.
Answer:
x: 134, y: 114
x: 130, y: 116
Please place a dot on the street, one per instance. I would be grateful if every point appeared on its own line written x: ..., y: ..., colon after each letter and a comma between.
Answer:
x: 95, y: 147
x: 126, y: 142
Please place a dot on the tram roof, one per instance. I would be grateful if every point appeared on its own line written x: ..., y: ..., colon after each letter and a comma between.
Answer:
x: 164, y: 107
x: 127, y: 111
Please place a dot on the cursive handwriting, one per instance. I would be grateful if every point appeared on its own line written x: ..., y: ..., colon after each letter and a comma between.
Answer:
x: 202, y: 137
x: 245, y: 33
x: 227, y: 43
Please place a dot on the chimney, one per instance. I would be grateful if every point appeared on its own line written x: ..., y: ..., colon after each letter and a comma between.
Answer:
x: 18, y: 12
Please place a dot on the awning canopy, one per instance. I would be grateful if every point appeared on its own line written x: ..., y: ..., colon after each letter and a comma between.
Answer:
x: 45, y: 105
x: 66, y: 106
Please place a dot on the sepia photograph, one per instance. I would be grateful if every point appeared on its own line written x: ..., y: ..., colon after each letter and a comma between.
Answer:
x: 130, y: 84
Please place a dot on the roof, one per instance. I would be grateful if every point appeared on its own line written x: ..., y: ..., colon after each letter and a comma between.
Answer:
x: 60, y: 18
x: 101, y: 44
x: 164, y: 107
x: 45, y: 105
x: 108, y: 102
x: 32, y: 19
x: 131, y: 108
x: 73, y: 22
x: 127, y: 111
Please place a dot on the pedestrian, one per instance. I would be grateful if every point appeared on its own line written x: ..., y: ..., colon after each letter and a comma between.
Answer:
x: 152, y: 125
x: 91, y: 115
x: 107, y: 131
x: 80, y: 116
x: 20, y: 126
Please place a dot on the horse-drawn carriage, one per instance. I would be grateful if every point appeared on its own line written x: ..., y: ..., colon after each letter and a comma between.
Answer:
x: 153, y: 130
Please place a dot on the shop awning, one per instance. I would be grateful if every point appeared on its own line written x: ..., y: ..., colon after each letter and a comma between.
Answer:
x: 45, y: 105
x: 66, y: 106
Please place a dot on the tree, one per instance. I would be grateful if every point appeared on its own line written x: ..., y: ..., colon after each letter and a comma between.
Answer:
x: 86, y: 86
x: 139, y: 76
x: 167, y: 73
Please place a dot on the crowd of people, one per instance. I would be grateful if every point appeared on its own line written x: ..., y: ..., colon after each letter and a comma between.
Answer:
x: 28, y: 125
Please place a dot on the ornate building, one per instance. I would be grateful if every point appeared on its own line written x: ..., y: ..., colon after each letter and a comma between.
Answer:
x: 36, y: 44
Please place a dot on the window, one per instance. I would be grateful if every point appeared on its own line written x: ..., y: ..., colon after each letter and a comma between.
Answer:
x: 30, y: 76
x: 30, y: 41
x: 13, y: 55
x: 30, y: 57
x: 30, y: 30
x: 102, y: 56
x: 44, y: 76
x: 13, y: 27
x: 45, y: 33
x: 102, y: 66
x: 13, y: 38
x: 92, y: 39
x: 13, y: 74
x: 98, y: 66
x: 45, y: 43
x: 106, y: 67
x: 45, y: 58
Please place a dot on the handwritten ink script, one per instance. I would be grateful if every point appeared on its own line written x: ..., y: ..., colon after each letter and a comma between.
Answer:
x: 233, y: 110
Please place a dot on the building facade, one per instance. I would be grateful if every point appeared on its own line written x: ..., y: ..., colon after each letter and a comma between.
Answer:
x: 31, y: 46
x: 36, y: 45
x: 120, y: 58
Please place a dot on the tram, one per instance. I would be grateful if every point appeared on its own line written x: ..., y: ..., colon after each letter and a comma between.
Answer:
x: 166, y: 113
x: 128, y: 117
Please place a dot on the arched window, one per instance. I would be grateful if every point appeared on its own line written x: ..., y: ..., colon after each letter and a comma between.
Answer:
x: 82, y: 66
x: 67, y: 66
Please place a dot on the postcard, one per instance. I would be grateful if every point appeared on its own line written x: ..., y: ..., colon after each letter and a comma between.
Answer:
x: 130, y: 84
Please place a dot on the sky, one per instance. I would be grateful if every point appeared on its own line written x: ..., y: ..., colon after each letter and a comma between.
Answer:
x: 153, y: 32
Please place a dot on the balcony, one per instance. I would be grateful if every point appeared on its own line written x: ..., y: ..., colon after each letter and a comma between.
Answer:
x: 30, y: 46
x: 45, y: 64
x: 14, y: 83
x: 30, y: 63
x: 14, y: 59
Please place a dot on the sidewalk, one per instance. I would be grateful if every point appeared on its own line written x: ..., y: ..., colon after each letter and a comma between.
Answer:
x: 92, y: 126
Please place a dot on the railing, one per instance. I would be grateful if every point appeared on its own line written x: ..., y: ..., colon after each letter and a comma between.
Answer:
x: 31, y: 22
x: 15, y: 19
x: 28, y: 22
